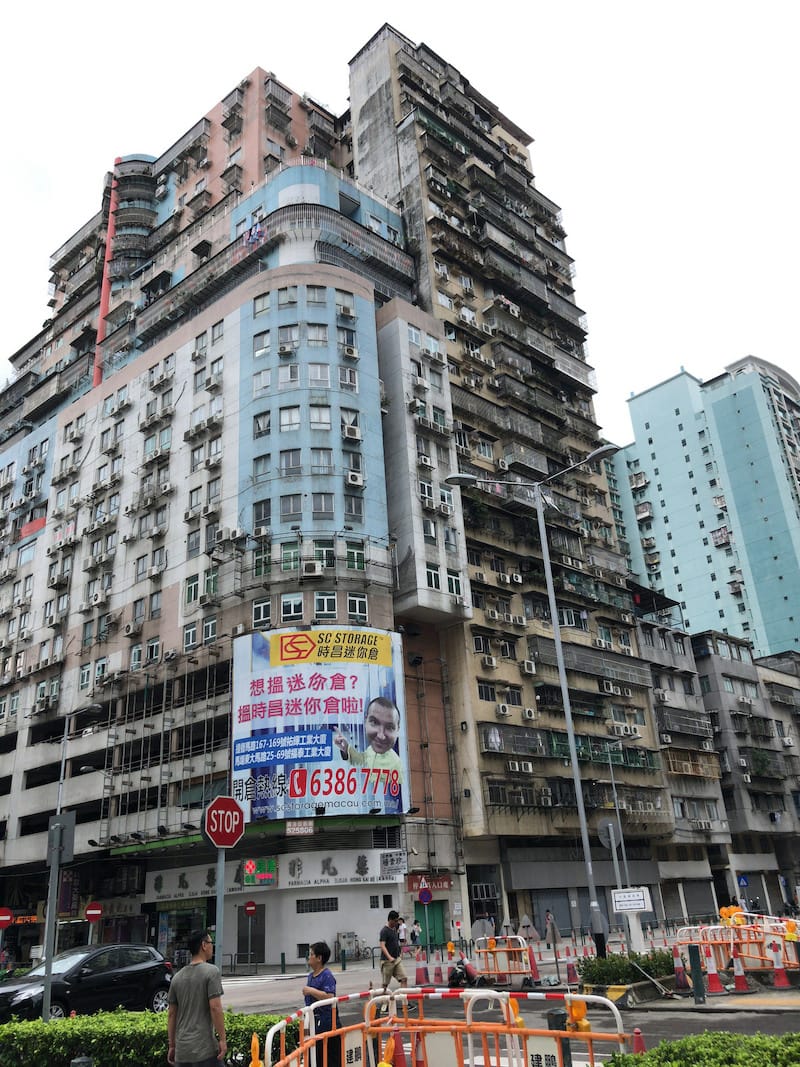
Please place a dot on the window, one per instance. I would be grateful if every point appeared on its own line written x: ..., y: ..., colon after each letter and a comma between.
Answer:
x: 353, y: 507
x: 348, y: 379
x: 288, y: 337
x: 209, y: 629
x: 316, y: 294
x: 487, y: 691
x: 454, y: 583
x: 217, y: 332
x: 261, y: 425
x: 432, y: 576
x: 261, y: 382
x: 324, y: 605
x: 319, y: 417
x: 261, y: 345
x: 291, y: 507
x: 414, y: 335
x: 192, y: 588
x: 322, y: 505
x: 261, y: 304
x: 321, y: 460
x: 291, y: 607
x: 355, y: 556
x: 152, y: 649
x: 317, y: 334
x: 319, y: 376
x: 288, y: 375
x: 261, y: 561
x: 189, y: 636
x: 290, y: 556
x: 287, y: 295
x: 261, y: 466
x: 357, y: 607
x: 261, y: 613
x: 290, y: 419
x: 155, y: 604
x: 290, y: 462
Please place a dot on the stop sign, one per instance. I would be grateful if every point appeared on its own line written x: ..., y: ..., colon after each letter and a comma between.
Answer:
x: 250, y: 907
x: 6, y: 917
x: 224, y: 822
x: 93, y: 912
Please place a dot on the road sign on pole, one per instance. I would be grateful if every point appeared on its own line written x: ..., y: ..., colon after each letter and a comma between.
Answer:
x: 93, y: 912
x: 6, y: 917
x: 250, y: 907
x: 224, y: 822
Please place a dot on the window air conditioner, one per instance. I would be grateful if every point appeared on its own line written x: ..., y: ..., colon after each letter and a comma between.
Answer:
x: 528, y: 666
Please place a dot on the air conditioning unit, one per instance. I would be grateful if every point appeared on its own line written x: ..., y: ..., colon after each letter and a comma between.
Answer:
x: 707, y: 746
x: 516, y: 579
x: 354, y: 478
x: 600, y: 643
x: 626, y: 617
x: 627, y: 731
x: 285, y: 350
x: 420, y: 383
x: 170, y: 654
x: 99, y: 598
x: 515, y: 797
x: 198, y: 355
x: 528, y: 666
x: 788, y: 742
x: 240, y: 628
x: 262, y: 531
x: 489, y: 661
x: 312, y: 568
x: 24, y: 635
x: 607, y: 687
x: 528, y: 714
x: 627, y: 691
x: 501, y: 465
x: 424, y: 461
x: 480, y: 576
x: 446, y: 509
x: 208, y: 600
x: 345, y: 312
x: 635, y: 731
x: 351, y: 433
x: 743, y: 763
x: 502, y: 711
x: 620, y: 729
x: 666, y: 739
x: 616, y: 690
x: 495, y: 616
x: 154, y: 572
x: 165, y: 488
x: 746, y: 779
x: 132, y: 629
x: 428, y: 504
x: 503, y: 579
x: 526, y: 767
x: 512, y: 765
x: 350, y: 351
x: 745, y: 700
x: 660, y: 694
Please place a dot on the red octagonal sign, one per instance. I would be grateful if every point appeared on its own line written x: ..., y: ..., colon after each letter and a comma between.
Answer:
x: 224, y: 822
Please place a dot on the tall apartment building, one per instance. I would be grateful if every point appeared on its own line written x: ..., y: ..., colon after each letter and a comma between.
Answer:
x: 268, y: 351
x: 709, y: 499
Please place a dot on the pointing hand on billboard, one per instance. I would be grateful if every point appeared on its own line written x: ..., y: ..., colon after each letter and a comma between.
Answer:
x: 342, y: 742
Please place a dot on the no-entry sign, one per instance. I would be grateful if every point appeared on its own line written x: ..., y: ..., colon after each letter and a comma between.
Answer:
x: 6, y: 917
x: 93, y: 912
x: 250, y: 907
x: 224, y: 822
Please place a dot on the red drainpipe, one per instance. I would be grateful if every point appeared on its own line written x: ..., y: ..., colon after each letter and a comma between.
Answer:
x: 105, y: 288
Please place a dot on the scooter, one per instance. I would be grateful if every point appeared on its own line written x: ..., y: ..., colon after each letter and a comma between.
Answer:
x: 463, y: 974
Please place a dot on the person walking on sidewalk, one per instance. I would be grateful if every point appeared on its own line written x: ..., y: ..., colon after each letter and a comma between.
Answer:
x: 391, y: 963
x: 195, y: 1009
x: 321, y: 985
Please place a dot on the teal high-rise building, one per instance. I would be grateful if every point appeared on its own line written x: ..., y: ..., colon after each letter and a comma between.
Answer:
x: 709, y: 500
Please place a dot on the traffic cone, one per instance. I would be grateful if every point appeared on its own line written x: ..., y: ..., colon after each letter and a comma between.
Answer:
x: 422, y: 970
x: 438, y: 977
x: 715, y: 986
x: 419, y: 1051
x: 681, y: 981
x: 638, y: 1042
x: 572, y: 974
x: 532, y: 961
x: 739, y: 978
x: 399, y: 1056
x: 779, y: 979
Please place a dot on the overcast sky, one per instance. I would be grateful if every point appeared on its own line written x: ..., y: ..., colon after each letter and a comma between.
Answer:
x: 667, y: 133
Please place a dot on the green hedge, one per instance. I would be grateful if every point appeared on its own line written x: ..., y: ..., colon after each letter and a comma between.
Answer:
x: 718, y: 1050
x: 617, y: 970
x: 119, y: 1039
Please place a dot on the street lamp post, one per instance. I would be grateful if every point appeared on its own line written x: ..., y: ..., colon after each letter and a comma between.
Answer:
x: 609, y: 746
x: 595, y: 916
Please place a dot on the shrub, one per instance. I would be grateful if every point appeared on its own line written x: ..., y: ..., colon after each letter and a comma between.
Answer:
x: 618, y: 970
x: 118, y: 1039
x: 716, y: 1049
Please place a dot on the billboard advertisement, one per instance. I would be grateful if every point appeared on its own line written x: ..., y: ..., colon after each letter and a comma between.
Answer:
x: 319, y: 723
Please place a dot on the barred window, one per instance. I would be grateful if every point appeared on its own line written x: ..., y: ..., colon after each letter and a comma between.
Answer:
x: 305, y: 907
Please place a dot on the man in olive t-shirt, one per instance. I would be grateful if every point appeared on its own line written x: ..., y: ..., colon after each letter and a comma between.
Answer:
x: 195, y: 1009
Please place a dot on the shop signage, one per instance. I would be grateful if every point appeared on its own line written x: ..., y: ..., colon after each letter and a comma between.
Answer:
x: 438, y: 883
x: 393, y: 865
x: 299, y: 827
x: 352, y: 867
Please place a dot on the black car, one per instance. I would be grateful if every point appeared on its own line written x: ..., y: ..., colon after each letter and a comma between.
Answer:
x: 91, y: 978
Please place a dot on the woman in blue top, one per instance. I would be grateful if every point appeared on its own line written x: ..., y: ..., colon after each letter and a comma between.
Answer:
x: 321, y: 985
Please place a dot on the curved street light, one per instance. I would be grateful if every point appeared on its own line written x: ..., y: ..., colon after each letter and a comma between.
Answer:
x: 465, y: 480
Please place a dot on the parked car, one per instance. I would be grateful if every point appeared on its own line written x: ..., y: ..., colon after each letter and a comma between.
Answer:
x: 91, y: 978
